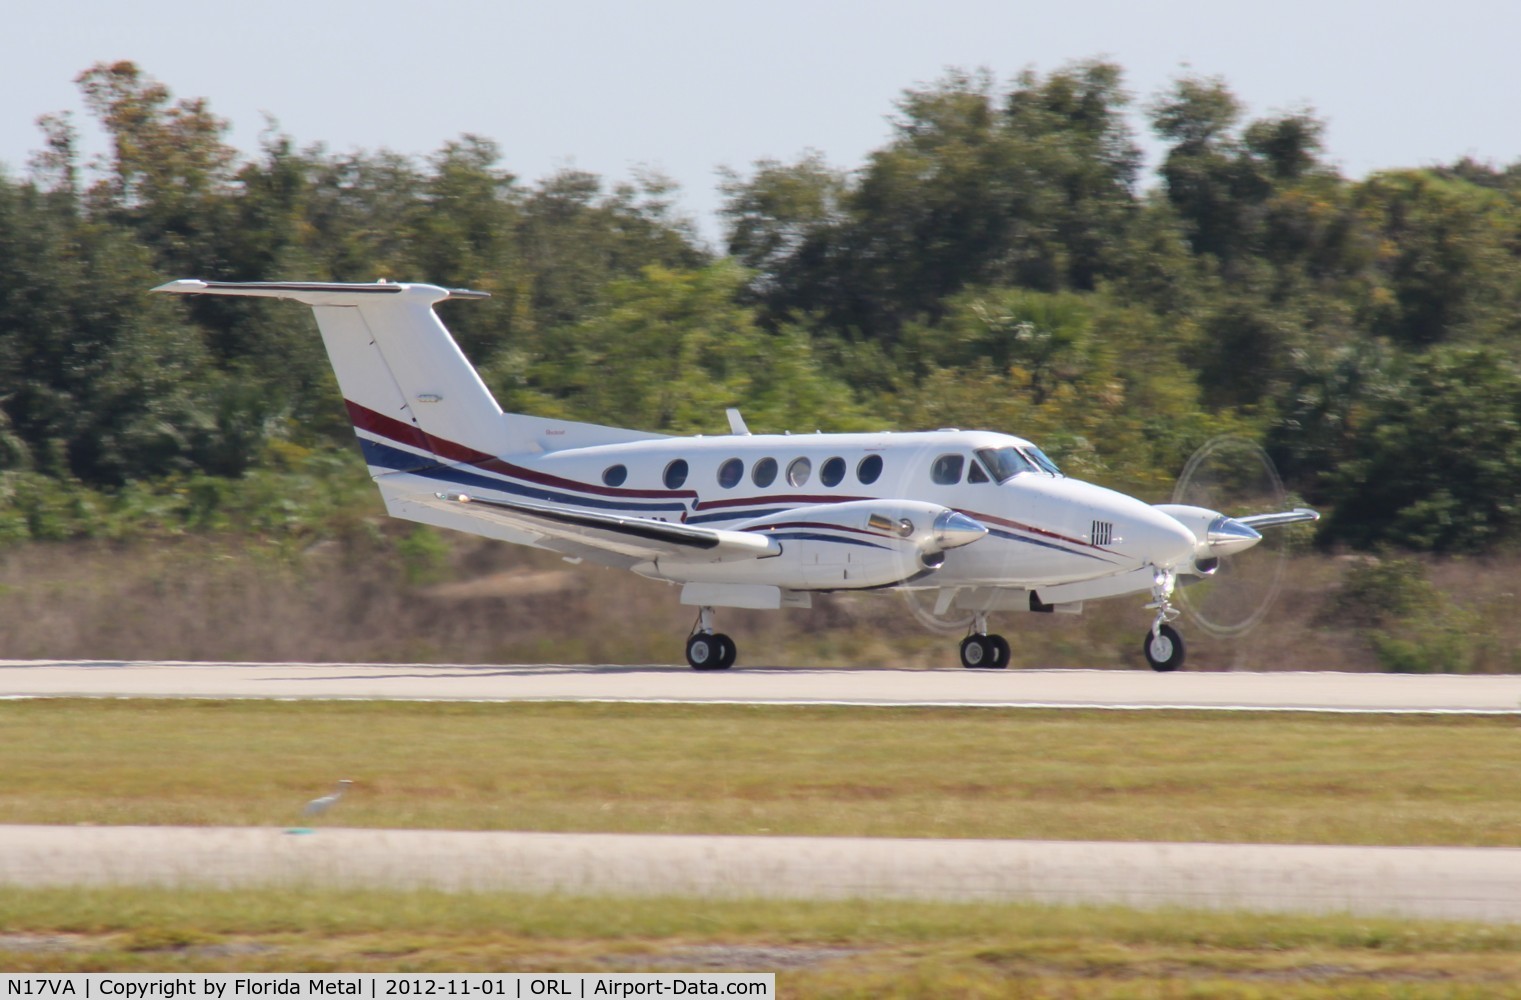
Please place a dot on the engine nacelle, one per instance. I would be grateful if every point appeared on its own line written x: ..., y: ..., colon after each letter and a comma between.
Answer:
x: 1215, y: 535
x: 845, y: 546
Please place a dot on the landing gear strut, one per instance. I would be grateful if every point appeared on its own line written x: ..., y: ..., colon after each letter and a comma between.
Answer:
x: 709, y: 650
x: 1163, y: 646
x: 981, y: 651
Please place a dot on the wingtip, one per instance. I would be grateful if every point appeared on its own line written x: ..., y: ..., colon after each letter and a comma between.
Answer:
x: 184, y: 286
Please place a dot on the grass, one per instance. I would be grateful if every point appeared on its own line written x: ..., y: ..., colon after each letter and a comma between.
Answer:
x: 1406, y: 780
x: 888, y: 772
x: 834, y: 949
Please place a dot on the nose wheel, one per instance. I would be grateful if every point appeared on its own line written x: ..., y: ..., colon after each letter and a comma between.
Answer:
x: 1163, y: 648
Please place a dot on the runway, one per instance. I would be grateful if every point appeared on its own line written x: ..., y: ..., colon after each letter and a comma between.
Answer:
x: 1439, y: 882
x: 1107, y: 689
x: 1451, y: 883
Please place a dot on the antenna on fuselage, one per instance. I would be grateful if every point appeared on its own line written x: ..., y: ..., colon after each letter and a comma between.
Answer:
x: 737, y: 422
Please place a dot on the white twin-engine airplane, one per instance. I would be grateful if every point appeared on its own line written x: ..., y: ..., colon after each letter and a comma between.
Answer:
x: 980, y: 521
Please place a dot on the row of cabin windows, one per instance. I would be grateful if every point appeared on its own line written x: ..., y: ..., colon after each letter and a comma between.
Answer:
x: 1003, y: 464
x: 763, y: 473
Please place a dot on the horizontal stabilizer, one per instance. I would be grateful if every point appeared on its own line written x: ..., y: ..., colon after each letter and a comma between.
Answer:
x: 311, y: 292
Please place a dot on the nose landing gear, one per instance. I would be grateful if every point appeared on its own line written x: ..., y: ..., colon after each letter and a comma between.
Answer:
x: 1163, y: 646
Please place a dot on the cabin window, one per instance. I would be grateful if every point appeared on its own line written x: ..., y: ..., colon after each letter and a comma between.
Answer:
x: 676, y: 474
x: 730, y: 473
x: 797, y: 471
x: 974, y: 473
x: 869, y: 468
x: 614, y: 475
x: 764, y: 473
x: 832, y: 471
x: 947, y: 470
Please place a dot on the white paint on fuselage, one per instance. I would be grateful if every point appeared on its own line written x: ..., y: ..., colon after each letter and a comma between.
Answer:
x: 1041, y: 526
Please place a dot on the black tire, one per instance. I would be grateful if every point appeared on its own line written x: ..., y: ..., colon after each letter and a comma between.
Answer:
x: 704, y: 652
x: 1001, y: 651
x: 978, y: 652
x: 1164, y: 651
x: 727, y: 651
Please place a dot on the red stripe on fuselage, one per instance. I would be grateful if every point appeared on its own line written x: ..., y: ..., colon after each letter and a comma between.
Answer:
x: 1005, y: 522
x: 402, y: 432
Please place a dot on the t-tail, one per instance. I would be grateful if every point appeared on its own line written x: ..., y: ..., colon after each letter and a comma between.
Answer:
x: 414, y: 398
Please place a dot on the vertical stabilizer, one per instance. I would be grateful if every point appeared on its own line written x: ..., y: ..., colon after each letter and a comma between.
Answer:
x: 414, y: 398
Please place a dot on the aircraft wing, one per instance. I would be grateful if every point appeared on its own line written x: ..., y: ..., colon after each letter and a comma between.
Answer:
x: 634, y: 537
x: 1296, y: 516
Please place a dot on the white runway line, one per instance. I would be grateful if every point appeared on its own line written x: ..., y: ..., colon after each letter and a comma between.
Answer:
x: 1112, y: 689
x: 1452, y: 883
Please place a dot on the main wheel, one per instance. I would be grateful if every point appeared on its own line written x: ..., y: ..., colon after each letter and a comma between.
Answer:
x: 705, y: 651
x: 1164, y: 650
x: 983, y: 652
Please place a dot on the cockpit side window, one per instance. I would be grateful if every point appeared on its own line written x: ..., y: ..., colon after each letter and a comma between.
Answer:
x: 974, y: 473
x: 1005, y: 463
x: 947, y: 470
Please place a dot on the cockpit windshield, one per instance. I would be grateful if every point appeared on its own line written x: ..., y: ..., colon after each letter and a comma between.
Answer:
x: 1043, y: 460
x: 1007, y: 462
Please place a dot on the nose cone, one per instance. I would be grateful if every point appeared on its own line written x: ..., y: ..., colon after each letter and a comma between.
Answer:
x: 953, y: 530
x: 1227, y: 536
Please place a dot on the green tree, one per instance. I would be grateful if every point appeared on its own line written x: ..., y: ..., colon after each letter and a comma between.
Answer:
x: 670, y: 352
x: 97, y: 383
x: 1033, y: 188
x: 169, y: 167
x: 1447, y: 258
x: 1437, y: 465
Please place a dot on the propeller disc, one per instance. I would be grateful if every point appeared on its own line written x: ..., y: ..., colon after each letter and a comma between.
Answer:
x: 1234, y: 476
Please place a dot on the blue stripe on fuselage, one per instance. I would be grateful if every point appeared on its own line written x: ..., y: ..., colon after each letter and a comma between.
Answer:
x: 382, y: 456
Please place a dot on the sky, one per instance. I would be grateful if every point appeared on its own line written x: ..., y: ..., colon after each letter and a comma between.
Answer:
x: 685, y: 87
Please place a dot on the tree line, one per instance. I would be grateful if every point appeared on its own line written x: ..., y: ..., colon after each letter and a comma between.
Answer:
x: 1000, y: 261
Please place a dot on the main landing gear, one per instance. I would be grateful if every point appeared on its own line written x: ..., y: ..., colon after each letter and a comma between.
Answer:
x: 981, y: 651
x: 709, y: 650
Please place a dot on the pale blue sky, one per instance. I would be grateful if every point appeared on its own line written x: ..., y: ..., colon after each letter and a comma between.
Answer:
x: 685, y: 86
